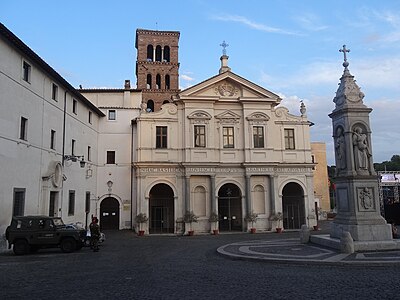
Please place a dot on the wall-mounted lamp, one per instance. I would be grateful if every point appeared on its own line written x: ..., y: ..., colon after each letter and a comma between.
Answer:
x: 74, y: 158
x: 110, y: 184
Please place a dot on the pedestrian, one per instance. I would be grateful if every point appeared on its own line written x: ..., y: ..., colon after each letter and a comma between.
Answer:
x: 394, y: 231
x: 94, y: 234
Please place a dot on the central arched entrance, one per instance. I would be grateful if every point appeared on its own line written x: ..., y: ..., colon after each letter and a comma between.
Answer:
x: 293, y: 206
x: 109, y: 214
x: 161, y: 206
x: 230, y: 208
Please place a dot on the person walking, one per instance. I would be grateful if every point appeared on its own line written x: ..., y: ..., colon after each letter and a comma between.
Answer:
x: 94, y: 234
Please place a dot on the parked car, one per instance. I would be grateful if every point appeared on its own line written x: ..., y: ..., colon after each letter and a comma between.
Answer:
x: 31, y: 233
x: 79, y: 225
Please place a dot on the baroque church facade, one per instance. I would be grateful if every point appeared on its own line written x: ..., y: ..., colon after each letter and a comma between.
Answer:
x: 225, y: 146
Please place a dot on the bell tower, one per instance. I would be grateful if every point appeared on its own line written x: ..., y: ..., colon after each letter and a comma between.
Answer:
x: 157, y: 66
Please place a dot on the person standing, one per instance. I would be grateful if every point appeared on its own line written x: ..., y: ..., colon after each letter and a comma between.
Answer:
x: 94, y: 234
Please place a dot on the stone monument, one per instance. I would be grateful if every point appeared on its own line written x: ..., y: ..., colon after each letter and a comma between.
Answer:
x: 358, y: 209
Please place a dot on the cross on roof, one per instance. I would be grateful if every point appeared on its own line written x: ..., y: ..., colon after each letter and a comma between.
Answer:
x: 344, y: 50
x: 224, y: 45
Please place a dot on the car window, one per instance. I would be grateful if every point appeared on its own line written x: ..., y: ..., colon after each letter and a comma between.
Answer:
x: 58, y: 222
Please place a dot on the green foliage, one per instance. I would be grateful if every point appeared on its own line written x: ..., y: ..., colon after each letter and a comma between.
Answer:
x: 190, y: 217
x: 141, y: 218
x: 392, y: 165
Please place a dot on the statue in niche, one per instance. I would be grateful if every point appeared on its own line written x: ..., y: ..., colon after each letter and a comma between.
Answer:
x: 362, y: 152
x: 340, y: 148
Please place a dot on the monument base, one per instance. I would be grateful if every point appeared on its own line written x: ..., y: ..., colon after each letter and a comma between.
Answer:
x: 363, y: 232
x: 359, y: 246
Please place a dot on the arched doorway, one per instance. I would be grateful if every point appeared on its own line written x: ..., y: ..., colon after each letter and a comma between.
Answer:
x: 230, y: 208
x: 109, y: 214
x: 293, y: 206
x: 161, y: 206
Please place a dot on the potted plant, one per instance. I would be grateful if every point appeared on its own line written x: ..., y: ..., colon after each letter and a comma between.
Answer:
x: 214, y: 219
x: 252, y: 218
x: 277, y: 217
x: 140, y: 219
x: 190, y: 217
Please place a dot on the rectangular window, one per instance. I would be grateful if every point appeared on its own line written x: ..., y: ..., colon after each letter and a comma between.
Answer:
x: 228, y: 137
x: 258, y: 136
x: 110, y: 157
x: 199, y: 136
x: 23, y: 132
x: 19, y: 202
x: 54, y: 92
x: 90, y: 117
x: 112, y: 115
x: 71, y: 203
x: 289, y: 139
x: 74, y: 106
x: 26, y: 71
x: 161, y: 136
x: 89, y: 154
x: 73, y: 144
x: 53, y: 139
x: 87, y: 202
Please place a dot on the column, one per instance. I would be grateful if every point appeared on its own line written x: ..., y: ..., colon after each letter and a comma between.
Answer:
x: 154, y: 53
x: 248, y: 204
x: 272, y: 192
x: 212, y: 194
x: 162, y: 54
x: 187, y: 193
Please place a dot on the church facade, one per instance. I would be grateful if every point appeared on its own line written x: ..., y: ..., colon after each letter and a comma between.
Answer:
x: 224, y: 147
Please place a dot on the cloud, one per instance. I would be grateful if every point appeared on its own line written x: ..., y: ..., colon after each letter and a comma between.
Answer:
x: 186, y: 77
x: 252, y: 24
x: 310, y: 22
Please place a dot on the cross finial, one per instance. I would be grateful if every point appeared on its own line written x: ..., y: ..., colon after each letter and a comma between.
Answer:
x: 344, y: 50
x: 224, y: 45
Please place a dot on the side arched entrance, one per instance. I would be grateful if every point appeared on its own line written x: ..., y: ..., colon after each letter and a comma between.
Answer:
x: 109, y: 214
x: 230, y: 208
x: 293, y: 206
x: 161, y: 206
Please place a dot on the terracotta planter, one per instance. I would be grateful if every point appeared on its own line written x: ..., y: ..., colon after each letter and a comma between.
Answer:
x: 141, y: 233
x: 215, y: 231
x: 190, y: 232
x: 278, y: 230
x: 252, y: 230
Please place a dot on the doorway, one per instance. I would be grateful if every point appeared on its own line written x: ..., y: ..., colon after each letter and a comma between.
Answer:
x: 293, y: 206
x: 109, y: 214
x: 161, y: 205
x: 230, y: 208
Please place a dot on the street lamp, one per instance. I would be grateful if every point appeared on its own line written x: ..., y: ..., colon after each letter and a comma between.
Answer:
x: 74, y: 158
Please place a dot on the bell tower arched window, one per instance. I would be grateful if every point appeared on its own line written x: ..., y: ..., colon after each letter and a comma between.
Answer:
x: 158, y: 81
x: 167, y: 83
x: 148, y: 81
x: 149, y: 52
x: 166, y: 54
x: 158, y: 53
x: 150, y: 106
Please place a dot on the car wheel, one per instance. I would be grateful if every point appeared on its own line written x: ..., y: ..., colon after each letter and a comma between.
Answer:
x: 21, y: 247
x: 68, y: 245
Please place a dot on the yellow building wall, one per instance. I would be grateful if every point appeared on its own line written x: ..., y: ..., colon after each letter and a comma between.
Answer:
x: 321, y: 179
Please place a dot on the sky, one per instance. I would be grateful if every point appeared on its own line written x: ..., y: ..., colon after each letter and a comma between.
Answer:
x: 288, y: 47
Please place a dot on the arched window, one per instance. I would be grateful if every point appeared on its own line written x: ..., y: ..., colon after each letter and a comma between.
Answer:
x: 158, y: 81
x: 166, y: 54
x: 149, y: 52
x: 150, y: 106
x: 167, y: 84
x: 165, y: 102
x: 158, y: 53
x: 148, y: 81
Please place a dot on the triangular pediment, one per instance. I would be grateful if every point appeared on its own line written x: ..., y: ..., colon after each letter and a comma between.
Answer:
x: 227, y: 115
x: 228, y: 86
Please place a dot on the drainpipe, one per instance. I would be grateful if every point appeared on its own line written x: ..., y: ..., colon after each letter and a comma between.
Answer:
x: 63, y: 149
x: 133, y: 175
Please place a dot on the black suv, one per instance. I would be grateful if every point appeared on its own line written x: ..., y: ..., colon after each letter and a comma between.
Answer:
x: 30, y: 233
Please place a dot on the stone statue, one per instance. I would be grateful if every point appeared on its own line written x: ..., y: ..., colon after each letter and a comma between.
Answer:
x: 362, y: 152
x: 340, y: 148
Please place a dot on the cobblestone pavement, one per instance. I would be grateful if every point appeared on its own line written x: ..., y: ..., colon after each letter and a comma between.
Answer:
x: 176, y: 267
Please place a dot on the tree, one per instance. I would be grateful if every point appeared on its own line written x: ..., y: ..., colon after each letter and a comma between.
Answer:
x: 392, y: 165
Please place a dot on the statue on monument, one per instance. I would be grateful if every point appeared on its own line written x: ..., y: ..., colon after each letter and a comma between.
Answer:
x: 362, y: 152
x: 340, y: 149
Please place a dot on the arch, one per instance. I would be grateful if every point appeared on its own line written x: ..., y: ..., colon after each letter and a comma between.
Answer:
x: 293, y: 206
x: 200, y: 201
x: 150, y: 106
x: 165, y: 101
x: 158, y: 53
x: 258, y: 199
x: 230, y: 208
x: 109, y: 213
x: 166, y: 54
x: 167, y: 82
x: 158, y: 81
x: 150, y: 51
x: 161, y: 209
x: 148, y: 81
